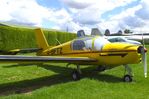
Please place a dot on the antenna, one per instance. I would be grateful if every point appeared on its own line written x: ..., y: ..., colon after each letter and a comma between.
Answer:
x: 58, y: 41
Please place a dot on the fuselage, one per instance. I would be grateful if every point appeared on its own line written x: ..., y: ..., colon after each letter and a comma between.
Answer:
x: 99, y: 48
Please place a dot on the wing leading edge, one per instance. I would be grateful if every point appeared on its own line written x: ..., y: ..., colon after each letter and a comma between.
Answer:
x: 42, y: 59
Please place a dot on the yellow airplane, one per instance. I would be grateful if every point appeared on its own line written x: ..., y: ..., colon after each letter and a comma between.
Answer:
x: 85, y: 50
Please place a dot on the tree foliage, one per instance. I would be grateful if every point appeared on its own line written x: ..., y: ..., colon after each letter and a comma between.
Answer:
x: 13, y: 37
x: 127, y: 31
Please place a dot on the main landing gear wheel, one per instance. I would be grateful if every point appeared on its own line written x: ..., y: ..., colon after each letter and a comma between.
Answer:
x: 76, y: 75
x: 101, y: 68
x: 127, y: 78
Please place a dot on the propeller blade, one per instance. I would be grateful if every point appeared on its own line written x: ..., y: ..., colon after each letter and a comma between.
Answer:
x: 144, y: 57
x: 144, y: 60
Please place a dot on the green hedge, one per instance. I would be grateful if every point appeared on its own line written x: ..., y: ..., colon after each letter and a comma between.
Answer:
x: 12, y: 37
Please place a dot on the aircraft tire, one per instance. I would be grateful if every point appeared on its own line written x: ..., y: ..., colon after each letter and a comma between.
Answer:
x: 127, y: 78
x: 75, y: 75
x: 101, y: 68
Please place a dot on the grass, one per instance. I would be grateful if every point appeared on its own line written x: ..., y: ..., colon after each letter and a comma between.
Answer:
x: 53, y: 81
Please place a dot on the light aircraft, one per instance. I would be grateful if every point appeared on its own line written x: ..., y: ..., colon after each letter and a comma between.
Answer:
x: 140, y: 37
x: 122, y: 39
x: 85, y: 50
x: 135, y: 39
x: 143, y: 38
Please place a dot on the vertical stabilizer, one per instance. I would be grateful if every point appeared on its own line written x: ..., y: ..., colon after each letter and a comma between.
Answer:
x: 80, y: 33
x: 41, y: 39
x: 96, y: 31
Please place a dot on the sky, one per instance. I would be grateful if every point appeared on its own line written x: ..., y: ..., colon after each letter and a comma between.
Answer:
x: 73, y: 15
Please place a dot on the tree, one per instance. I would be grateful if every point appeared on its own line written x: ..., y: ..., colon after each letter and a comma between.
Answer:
x: 127, y: 31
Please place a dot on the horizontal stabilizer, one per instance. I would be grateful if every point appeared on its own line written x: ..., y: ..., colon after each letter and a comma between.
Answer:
x: 16, y: 51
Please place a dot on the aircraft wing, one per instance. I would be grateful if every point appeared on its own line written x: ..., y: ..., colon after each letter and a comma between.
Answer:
x: 42, y: 59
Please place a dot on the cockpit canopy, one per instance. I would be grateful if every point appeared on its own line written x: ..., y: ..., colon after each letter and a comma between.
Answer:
x: 94, y: 43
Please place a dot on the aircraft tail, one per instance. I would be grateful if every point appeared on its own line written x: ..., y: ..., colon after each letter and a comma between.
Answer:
x: 41, y: 39
x: 96, y: 31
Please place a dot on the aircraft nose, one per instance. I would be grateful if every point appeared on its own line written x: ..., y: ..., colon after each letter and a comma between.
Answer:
x: 145, y: 50
x: 140, y: 49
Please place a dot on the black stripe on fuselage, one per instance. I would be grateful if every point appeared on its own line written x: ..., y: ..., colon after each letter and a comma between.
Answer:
x: 98, y: 52
x: 122, y: 55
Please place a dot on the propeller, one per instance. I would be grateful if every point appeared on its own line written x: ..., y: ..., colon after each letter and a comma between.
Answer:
x: 144, y: 57
x: 144, y: 60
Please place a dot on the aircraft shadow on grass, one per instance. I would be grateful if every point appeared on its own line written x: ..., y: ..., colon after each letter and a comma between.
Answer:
x: 62, y: 76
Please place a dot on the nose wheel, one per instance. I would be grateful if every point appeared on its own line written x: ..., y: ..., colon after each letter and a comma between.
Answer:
x: 129, y: 76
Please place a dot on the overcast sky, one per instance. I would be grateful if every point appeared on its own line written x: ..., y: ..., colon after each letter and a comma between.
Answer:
x: 78, y: 14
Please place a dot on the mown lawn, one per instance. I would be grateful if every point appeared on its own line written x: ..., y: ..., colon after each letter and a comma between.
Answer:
x: 53, y: 81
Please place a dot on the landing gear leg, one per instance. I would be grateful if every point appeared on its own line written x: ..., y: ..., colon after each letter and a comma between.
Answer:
x: 76, y: 74
x: 127, y: 76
